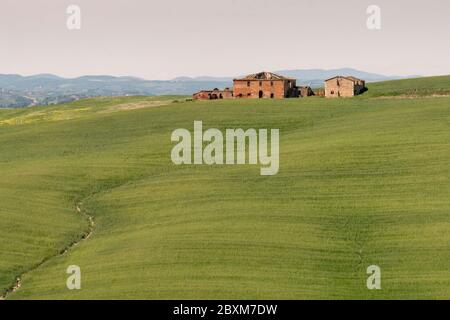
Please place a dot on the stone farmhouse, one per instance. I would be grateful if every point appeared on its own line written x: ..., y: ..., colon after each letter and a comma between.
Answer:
x: 344, y: 87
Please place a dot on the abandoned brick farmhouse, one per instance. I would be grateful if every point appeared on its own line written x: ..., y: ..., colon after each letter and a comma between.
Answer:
x: 270, y: 85
x: 265, y: 85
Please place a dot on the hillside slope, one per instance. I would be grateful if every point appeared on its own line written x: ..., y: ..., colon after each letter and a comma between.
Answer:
x: 417, y: 87
x: 361, y: 182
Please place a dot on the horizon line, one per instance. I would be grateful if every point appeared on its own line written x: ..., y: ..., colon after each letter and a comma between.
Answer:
x: 203, y: 76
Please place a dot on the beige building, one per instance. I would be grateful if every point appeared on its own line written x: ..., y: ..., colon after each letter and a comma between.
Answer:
x: 344, y: 87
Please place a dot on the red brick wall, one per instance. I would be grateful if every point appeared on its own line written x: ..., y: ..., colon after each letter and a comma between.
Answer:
x: 208, y: 95
x: 201, y: 96
x: 279, y: 88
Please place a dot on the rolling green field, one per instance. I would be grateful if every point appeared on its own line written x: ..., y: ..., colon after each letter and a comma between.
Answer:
x: 362, y: 181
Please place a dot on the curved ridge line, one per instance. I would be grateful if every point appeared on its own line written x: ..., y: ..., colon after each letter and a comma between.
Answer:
x: 18, y: 283
x: 85, y: 236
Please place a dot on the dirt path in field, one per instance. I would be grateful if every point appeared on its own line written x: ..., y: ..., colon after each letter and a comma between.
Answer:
x: 18, y: 283
x: 85, y: 236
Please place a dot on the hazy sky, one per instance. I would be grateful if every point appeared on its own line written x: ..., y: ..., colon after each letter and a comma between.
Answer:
x: 161, y: 39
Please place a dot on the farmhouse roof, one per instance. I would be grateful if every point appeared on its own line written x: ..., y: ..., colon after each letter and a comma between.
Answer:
x: 351, y: 78
x: 264, y: 76
x: 355, y: 78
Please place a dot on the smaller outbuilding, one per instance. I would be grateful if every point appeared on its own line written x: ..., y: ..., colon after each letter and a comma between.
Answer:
x: 305, y: 91
x: 214, y: 94
x: 340, y: 86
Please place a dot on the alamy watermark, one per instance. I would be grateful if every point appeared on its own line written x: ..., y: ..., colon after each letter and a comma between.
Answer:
x: 374, y: 19
x: 74, y: 280
x: 374, y: 280
x: 74, y: 17
x: 235, y: 145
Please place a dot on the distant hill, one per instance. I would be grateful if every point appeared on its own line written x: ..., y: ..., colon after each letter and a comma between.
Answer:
x: 309, y: 74
x: 20, y: 91
x: 312, y: 77
x: 315, y: 77
x: 44, y: 89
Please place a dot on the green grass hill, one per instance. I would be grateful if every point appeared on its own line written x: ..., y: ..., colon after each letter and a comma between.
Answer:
x: 363, y: 181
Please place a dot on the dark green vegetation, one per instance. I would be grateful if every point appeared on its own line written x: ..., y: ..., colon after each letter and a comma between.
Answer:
x: 361, y: 182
